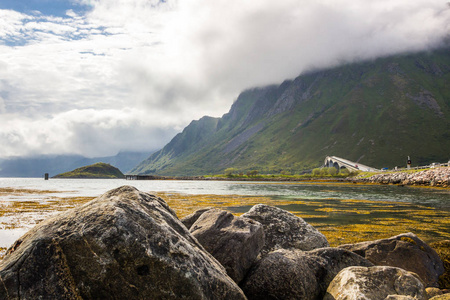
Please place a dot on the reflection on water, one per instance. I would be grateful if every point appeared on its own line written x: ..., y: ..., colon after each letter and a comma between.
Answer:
x: 343, y: 212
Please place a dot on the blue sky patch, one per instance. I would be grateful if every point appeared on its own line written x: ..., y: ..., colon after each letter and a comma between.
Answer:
x: 56, y: 8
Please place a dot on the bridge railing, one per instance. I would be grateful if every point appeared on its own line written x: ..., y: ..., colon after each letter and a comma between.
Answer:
x: 433, y: 165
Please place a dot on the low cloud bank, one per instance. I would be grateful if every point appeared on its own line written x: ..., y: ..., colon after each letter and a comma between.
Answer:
x: 128, y: 75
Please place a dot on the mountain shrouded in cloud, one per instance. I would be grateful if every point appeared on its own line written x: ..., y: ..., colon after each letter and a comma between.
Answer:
x: 94, y: 77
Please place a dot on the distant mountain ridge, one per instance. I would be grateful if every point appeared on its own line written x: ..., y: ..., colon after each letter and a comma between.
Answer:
x: 376, y: 112
x: 56, y: 164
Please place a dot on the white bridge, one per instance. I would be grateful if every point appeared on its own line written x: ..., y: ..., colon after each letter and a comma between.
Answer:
x: 340, y: 163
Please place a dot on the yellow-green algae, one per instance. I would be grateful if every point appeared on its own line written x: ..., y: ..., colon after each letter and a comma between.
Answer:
x: 341, y: 221
x: 443, y: 249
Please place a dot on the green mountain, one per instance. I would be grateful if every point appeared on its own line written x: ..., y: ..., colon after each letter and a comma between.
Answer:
x: 376, y: 113
x: 98, y: 170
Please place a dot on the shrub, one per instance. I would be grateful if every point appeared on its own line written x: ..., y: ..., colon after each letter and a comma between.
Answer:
x: 324, y: 171
x: 252, y: 173
x: 344, y: 171
x: 230, y: 171
x: 332, y: 171
x: 316, y: 172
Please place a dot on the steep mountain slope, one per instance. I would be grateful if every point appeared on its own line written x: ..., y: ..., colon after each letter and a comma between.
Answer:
x: 376, y: 112
x: 98, y: 170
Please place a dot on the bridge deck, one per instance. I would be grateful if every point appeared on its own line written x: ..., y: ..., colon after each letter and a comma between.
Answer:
x: 353, y: 166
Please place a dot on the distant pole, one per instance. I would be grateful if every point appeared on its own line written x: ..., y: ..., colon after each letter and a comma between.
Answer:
x: 46, y: 176
x: 408, y: 163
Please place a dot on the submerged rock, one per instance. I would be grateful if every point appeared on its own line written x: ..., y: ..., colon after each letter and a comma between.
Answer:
x: 124, y: 244
x: 234, y: 241
x: 404, y: 251
x: 379, y: 282
x: 297, y: 274
x: 284, y: 230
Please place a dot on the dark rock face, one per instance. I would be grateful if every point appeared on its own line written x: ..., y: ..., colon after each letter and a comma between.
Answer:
x: 354, y: 283
x: 404, y: 251
x: 234, y: 241
x: 190, y: 219
x: 123, y: 245
x: 284, y: 230
x: 335, y: 260
x: 296, y: 274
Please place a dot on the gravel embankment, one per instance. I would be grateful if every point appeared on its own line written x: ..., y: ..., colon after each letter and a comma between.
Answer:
x: 431, y: 177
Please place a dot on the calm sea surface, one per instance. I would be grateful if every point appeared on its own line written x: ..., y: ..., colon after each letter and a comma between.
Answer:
x: 438, y: 198
x: 339, y: 203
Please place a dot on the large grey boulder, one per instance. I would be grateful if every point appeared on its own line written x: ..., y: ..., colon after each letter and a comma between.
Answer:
x: 297, y: 274
x: 190, y: 219
x: 336, y: 260
x: 405, y: 251
x: 284, y: 230
x: 123, y: 245
x: 355, y: 283
x: 234, y: 241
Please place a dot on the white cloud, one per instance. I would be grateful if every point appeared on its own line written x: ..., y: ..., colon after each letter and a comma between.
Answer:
x: 130, y: 73
x: 88, y: 132
x: 2, y: 106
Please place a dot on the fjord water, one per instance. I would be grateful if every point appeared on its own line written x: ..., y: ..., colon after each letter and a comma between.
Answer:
x: 437, y: 198
x: 333, y: 207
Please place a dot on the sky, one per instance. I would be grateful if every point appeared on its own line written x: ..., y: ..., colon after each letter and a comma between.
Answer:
x: 95, y: 77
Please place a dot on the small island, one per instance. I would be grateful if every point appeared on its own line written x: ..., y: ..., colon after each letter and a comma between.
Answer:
x: 98, y: 171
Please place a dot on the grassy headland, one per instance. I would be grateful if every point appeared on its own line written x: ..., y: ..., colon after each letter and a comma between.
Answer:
x: 98, y: 170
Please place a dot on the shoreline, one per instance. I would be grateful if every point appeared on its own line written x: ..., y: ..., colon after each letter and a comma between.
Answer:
x: 435, y: 177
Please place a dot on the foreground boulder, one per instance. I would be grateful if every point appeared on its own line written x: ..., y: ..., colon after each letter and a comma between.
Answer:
x: 123, y: 245
x: 234, y: 241
x: 296, y: 274
x: 404, y: 251
x: 284, y: 230
x: 190, y: 219
x: 355, y: 283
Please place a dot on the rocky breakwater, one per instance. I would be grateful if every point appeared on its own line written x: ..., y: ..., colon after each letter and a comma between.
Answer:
x: 130, y: 245
x: 439, y: 177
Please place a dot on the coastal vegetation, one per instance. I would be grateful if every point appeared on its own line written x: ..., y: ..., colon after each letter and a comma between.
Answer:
x: 97, y: 170
x: 317, y: 173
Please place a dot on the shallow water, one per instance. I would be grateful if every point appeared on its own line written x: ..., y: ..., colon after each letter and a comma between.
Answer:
x: 439, y: 198
x: 343, y: 212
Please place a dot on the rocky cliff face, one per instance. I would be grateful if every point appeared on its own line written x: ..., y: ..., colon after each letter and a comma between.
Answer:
x: 376, y: 112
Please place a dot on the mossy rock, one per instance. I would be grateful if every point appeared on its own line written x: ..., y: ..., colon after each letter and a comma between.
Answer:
x: 443, y: 250
x: 408, y: 240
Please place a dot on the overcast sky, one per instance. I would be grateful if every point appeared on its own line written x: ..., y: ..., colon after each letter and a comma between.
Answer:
x: 95, y: 77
